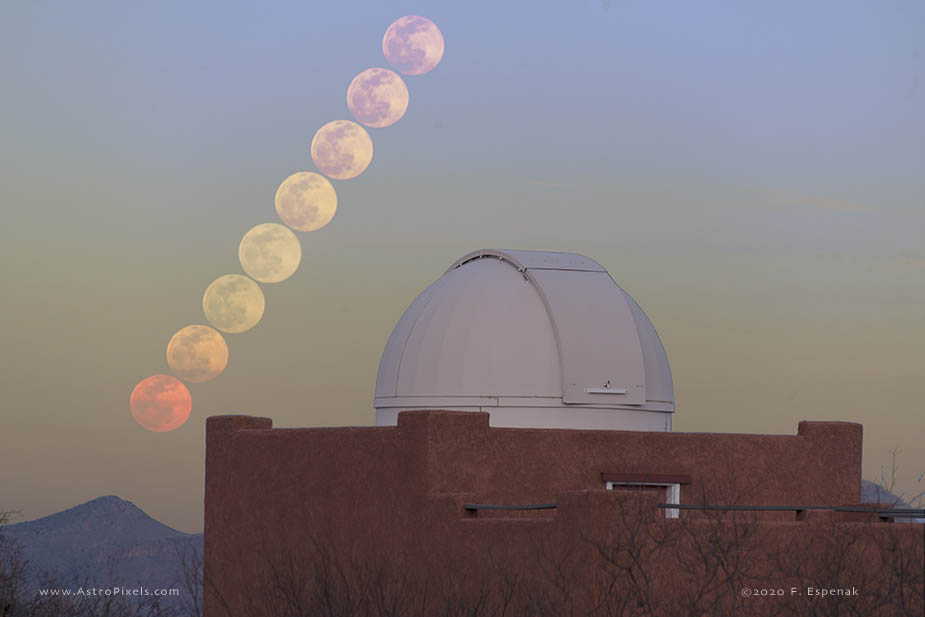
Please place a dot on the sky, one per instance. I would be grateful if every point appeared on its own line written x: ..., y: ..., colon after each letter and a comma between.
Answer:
x: 751, y: 173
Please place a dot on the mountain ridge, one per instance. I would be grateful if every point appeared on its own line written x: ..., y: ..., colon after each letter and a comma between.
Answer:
x: 107, y: 541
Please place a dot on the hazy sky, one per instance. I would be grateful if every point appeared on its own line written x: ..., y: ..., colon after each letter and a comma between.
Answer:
x: 753, y: 174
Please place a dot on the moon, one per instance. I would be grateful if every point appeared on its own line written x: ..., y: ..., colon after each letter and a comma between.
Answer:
x: 197, y: 353
x: 160, y: 403
x: 377, y: 97
x: 233, y: 303
x: 413, y: 45
x: 306, y: 201
x: 270, y: 253
x: 342, y: 149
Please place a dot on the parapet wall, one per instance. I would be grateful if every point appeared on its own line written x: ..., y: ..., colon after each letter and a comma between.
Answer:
x: 819, y: 465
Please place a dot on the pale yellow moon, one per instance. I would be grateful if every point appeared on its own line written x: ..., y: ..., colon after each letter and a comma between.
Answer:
x: 306, y: 201
x: 342, y: 149
x: 377, y: 97
x: 233, y: 303
x: 270, y: 253
x: 197, y: 353
x: 413, y: 44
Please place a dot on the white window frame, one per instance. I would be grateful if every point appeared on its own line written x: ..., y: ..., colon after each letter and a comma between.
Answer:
x: 672, y: 493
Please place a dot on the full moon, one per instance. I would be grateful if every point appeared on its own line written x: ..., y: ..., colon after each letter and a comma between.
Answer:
x: 413, y: 44
x: 306, y: 201
x: 377, y: 97
x: 270, y: 252
x: 197, y: 353
x: 233, y: 303
x: 342, y: 149
x: 160, y: 403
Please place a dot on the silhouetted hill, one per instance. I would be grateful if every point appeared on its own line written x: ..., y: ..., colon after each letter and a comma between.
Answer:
x: 871, y: 492
x: 107, y: 541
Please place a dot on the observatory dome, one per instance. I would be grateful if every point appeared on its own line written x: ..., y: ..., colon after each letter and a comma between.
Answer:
x: 537, y: 339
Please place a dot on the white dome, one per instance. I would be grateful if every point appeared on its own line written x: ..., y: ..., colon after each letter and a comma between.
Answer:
x: 537, y: 339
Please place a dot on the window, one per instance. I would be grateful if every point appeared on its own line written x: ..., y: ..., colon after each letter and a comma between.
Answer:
x: 672, y: 484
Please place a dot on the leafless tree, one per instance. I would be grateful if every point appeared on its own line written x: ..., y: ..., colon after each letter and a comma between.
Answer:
x: 189, y: 560
x: 645, y: 564
x: 636, y: 542
x: 901, y: 573
x: 886, y: 487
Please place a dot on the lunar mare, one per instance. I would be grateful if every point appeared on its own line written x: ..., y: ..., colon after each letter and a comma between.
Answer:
x: 197, y: 353
x: 160, y: 403
x: 342, y: 149
x: 377, y: 97
x: 306, y: 201
x: 233, y: 303
x: 413, y: 45
x: 270, y: 252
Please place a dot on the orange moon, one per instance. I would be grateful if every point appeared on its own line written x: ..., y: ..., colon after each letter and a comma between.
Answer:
x: 160, y: 403
x: 306, y: 201
x: 342, y: 149
x: 197, y: 353
x: 413, y: 45
x: 377, y: 97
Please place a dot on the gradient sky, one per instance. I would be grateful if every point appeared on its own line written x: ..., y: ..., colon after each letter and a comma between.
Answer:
x: 751, y: 173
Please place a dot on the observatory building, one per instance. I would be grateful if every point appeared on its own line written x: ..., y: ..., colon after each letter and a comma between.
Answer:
x: 536, y: 339
x: 522, y: 449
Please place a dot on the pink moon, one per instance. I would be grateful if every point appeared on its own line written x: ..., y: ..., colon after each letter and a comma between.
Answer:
x: 342, y: 149
x: 377, y: 97
x: 160, y: 403
x: 413, y: 45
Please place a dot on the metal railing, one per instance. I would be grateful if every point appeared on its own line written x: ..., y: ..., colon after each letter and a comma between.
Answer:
x: 885, y: 513
x: 533, y: 506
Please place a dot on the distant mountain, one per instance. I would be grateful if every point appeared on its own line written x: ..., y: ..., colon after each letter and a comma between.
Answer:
x: 871, y: 492
x: 105, y: 542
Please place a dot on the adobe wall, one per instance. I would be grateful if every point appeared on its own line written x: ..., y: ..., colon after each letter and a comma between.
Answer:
x: 820, y: 465
x: 395, y: 494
